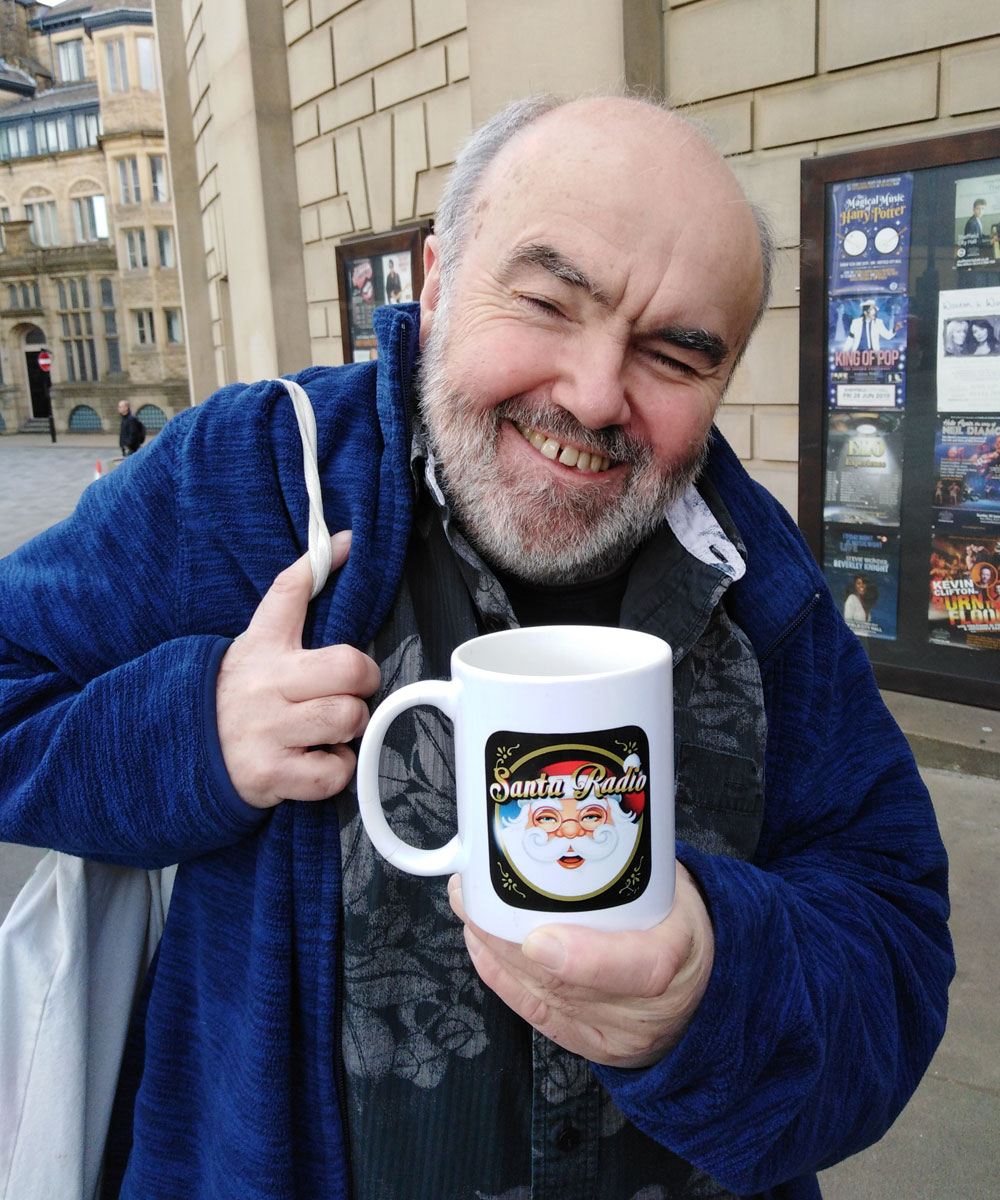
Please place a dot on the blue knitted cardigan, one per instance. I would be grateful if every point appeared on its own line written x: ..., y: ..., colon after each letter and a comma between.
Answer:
x: 833, y: 959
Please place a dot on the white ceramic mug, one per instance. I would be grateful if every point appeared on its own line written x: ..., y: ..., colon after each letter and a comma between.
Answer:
x: 564, y: 778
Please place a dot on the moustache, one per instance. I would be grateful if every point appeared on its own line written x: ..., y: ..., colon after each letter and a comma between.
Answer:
x: 611, y: 442
x: 539, y: 846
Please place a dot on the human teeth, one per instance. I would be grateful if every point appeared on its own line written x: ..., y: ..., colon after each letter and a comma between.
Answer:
x: 569, y: 456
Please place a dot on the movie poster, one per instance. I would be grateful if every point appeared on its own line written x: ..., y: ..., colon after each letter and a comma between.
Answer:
x: 967, y: 473
x: 870, y: 238
x: 397, y: 277
x: 864, y: 468
x: 866, y: 352
x: 964, y: 605
x: 862, y: 569
x: 362, y: 302
x: 968, y: 363
x: 977, y: 222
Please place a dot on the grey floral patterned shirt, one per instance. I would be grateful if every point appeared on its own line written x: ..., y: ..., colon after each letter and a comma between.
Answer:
x: 450, y: 1096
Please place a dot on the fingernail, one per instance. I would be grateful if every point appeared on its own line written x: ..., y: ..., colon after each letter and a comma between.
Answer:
x: 545, y: 950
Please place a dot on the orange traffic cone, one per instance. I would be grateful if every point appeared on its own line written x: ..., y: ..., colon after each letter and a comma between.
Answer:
x: 97, y: 469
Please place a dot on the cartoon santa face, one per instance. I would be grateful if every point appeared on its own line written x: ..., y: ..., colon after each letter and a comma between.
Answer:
x: 572, y: 842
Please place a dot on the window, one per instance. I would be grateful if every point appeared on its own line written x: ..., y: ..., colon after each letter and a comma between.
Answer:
x: 110, y: 327
x: 172, y: 318
x: 44, y: 222
x: 15, y: 140
x: 52, y: 135
x: 165, y: 245
x: 90, y: 218
x: 128, y: 180
x: 24, y: 295
x: 135, y: 247
x: 71, y: 66
x: 147, y: 63
x: 79, y: 348
x: 117, y: 68
x: 87, y: 127
x: 145, y: 334
x: 158, y: 176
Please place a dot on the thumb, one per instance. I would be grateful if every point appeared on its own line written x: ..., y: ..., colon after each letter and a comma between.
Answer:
x: 281, y: 613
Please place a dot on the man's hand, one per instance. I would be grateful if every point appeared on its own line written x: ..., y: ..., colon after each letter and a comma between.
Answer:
x: 285, y: 714
x: 622, y: 999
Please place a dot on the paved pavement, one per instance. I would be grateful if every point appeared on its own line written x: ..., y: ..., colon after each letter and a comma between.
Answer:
x: 945, y: 1145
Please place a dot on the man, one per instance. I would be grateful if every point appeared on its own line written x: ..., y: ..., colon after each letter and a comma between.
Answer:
x: 132, y: 432
x: 974, y: 225
x: 318, y: 1023
x: 393, y: 285
x: 868, y: 331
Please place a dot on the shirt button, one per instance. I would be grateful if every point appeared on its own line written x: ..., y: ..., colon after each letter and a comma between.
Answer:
x: 568, y: 1139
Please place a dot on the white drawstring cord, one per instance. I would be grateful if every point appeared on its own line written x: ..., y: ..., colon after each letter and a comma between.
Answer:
x: 320, y: 551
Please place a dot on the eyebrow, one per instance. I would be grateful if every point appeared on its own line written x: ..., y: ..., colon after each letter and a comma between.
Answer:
x: 548, y: 258
x: 701, y: 341
x: 539, y: 254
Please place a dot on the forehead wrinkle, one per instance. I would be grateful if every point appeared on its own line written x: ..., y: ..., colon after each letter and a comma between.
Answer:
x: 548, y: 258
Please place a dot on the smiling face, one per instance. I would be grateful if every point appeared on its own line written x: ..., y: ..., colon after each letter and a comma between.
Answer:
x: 571, y: 375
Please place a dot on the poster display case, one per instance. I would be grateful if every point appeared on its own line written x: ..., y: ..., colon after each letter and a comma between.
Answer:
x: 899, y: 405
x: 373, y: 271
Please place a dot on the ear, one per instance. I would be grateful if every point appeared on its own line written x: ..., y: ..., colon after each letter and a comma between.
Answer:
x: 431, y: 291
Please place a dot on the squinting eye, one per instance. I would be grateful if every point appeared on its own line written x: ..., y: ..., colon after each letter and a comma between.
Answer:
x: 545, y: 818
x: 592, y: 816
x: 542, y: 305
x: 672, y: 364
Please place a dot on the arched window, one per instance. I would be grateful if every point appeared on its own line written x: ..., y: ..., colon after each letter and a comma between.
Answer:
x: 84, y: 419
x: 152, y: 417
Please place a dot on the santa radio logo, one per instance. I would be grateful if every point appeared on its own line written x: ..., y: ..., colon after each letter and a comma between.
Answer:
x: 569, y: 818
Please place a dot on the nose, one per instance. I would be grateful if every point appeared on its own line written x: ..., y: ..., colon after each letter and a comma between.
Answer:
x: 570, y: 828
x: 591, y: 383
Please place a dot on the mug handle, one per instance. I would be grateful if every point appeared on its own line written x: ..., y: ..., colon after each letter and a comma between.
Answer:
x: 445, y: 859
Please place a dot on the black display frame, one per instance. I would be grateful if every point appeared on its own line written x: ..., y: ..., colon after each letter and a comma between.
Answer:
x: 909, y: 663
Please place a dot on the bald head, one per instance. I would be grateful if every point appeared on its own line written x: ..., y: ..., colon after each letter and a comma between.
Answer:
x: 623, y: 138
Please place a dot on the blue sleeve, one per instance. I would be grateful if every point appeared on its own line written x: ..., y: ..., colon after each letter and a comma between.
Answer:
x: 108, y: 738
x: 829, y: 990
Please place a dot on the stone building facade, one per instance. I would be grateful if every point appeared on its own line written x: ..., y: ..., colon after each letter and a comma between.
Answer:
x: 88, y: 268
x: 297, y: 125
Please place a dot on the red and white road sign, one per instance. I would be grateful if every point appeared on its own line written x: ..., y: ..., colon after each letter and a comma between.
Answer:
x: 44, y: 360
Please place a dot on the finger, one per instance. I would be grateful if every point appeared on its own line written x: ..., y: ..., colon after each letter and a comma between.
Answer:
x: 319, y: 774
x: 281, y: 613
x: 639, y: 963
x: 329, y: 720
x: 328, y: 672
x: 306, y: 775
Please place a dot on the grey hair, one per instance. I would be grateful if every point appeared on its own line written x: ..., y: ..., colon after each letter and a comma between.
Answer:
x: 458, y: 200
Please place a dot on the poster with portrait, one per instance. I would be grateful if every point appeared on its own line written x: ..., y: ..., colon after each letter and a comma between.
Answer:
x: 870, y: 235
x: 864, y: 468
x: 862, y: 569
x: 397, y: 278
x: 866, y: 352
x: 977, y: 222
x: 967, y: 473
x: 964, y: 608
x: 968, y: 360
